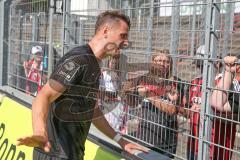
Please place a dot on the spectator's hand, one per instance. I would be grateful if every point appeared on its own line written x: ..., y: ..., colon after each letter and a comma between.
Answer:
x: 131, y: 147
x: 26, y: 68
x: 230, y: 65
x: 172, y: 96
x: 194, y: 109
x: 35, y: 141
x: 128, y: 86
x: 24, y: 64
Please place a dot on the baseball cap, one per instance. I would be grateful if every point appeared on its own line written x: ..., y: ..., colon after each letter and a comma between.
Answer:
x: 36, y: 49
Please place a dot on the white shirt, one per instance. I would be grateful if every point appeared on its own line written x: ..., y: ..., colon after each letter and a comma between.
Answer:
x: 110, y: 81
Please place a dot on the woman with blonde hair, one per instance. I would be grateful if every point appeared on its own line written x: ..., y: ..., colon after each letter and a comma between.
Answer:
x: 160, y: 94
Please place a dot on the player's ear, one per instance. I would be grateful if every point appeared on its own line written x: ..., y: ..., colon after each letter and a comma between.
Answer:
x: 105, y: 30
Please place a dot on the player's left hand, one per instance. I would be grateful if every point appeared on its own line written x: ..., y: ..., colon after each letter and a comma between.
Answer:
x: 131, y: 147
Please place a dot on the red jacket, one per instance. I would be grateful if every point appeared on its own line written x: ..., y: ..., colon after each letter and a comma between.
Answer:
x: 34, y: 78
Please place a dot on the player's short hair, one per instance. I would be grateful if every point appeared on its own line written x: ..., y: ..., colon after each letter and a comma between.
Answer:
x: 110, y: 17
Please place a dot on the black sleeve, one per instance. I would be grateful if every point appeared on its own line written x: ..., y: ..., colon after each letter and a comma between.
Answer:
x: 233, y: 99
x: 132, y: 97
x: 68, y: 72
x: 186, y: 94
x: 183, y: 91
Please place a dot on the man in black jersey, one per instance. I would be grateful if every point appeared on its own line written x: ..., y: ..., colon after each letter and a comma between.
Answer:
x: 63, y: 110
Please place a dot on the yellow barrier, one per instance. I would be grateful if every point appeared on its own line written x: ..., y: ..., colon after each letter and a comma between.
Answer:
x: 15, y: 122
x: 94, y: 152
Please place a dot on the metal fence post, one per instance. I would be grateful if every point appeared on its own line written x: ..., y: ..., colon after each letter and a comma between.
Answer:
x: 63, y: 29
x: 125, y: 4
x: 211, y: 39
x: 19, y: 70
x: 205, y: 68
x: 80, y: 36
x: 229, y: 15
x: 175, y: 32
x: 138, y: 16
x: 50, y: 53
x: 66, y: 24
x: 150, y: 31
x: 4, y: 44
x: 1, y: 39
x: 34, y: 27
x: 193, y: 28
x: 203, y: 22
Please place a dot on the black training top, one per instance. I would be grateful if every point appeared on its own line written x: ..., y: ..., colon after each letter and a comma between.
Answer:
x: 71, y: 114
x: 233, y: 97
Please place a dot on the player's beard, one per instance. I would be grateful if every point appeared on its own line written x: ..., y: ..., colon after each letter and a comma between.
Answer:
x: 113, y: 52
x: 112, y: 49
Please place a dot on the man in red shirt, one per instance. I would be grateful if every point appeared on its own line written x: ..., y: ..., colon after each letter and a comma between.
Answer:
x: 195, y: 94
x: 195, y: 103
x: 33, y: 71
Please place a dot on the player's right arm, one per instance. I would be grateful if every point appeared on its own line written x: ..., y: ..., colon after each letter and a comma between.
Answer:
x: 63, y: 76
x: 40, y: 108
x: 41, y: 105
